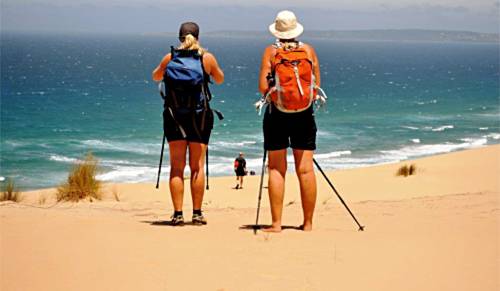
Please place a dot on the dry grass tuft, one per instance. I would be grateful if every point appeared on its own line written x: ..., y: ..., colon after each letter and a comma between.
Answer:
x: 115, y: 193
x: 412, y: 170
x: 402, y: 171
x: 42, y: 199
x: 10, y: 193
x: 407, y: 170
x: 82, y: 182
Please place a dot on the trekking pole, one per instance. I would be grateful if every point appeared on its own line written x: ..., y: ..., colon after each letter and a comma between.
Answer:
x: 161, y: 160
x: 206, y: 158
x: 256, y: 226
x: 361, y: 228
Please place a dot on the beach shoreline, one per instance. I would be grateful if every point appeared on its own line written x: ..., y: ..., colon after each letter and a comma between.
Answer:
x: 337, y: 176
x: 164, y: 175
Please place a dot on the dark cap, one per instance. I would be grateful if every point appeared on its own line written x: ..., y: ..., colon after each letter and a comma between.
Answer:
x: 189, y: 28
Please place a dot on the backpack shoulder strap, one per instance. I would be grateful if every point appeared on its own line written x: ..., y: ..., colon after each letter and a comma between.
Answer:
x: 275, y: 47
x: 172, y: 52
x: 206, y: 79
x: 203, y: 66
x: 305, y: 47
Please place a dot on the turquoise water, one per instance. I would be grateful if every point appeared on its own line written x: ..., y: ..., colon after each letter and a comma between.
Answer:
x: 64, y: 95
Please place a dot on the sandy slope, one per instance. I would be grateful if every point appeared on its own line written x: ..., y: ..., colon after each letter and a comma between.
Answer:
x: 437, y: 230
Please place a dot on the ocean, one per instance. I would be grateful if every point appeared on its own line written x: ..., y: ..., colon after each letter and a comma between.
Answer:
x: 64, y: 95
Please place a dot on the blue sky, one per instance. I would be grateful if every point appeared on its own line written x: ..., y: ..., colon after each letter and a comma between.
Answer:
x: 134, y: 16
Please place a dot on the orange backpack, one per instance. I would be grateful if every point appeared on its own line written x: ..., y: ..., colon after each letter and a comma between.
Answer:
x: 295, y: 87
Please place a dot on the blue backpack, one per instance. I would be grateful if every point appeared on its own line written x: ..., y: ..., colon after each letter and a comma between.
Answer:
x: 186, y: 82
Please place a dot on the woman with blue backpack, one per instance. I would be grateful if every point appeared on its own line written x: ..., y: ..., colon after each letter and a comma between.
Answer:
x: 187, y: 117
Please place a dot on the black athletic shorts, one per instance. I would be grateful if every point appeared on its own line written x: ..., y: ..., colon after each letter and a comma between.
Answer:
x: 191, y: 123
x: 283, y: 130
x: 240, y: 172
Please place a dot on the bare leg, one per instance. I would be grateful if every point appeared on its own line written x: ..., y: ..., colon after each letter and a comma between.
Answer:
x: 177, y: 151
x: 276, y: 187
x: 305, y: 172
x: 241, y: 182
x: 196, y: 164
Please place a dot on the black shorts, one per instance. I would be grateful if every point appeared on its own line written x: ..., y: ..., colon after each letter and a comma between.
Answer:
x: 295, y: 130
x: 191, y: 123
x: 240, y: 172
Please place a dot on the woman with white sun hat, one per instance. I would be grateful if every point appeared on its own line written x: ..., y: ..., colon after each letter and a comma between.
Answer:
x: 289, y: 78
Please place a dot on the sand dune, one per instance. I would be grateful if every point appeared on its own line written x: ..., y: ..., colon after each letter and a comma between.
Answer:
x: 436, y: 230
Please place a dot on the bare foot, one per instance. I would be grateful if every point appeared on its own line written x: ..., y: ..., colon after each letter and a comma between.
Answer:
x: 306, y: 227
x: 272, y: 229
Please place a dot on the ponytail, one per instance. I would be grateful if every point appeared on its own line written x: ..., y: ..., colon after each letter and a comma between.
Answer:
x: 191, y: 43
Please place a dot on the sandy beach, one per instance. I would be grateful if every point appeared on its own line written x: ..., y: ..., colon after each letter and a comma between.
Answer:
x: 435, y: 230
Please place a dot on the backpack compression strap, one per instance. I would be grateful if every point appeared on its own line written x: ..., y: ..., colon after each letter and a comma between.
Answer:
x: 319, y: 100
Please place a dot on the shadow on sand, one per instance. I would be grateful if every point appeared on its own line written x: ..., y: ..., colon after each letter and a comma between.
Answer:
x: 243, y: 227
x: 261, y: 226
x: 169, y: 223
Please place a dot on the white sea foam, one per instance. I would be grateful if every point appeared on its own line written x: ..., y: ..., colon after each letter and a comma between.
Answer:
x: 415, y: 140
x: 423, y: 150
x: 2, y: 178
x: 354, y: 162
x: 467, y: 139
x: 442, y: 128
x: 16, y: 143
x: 333, y: 154
x: 64, y: 159
x: 483, y: 128
x: 133, y: 147
x: 489, y: 115
x: 434, y: 101
x: 323, y: 133
x: 410, y: 127
x: 228, y: 144
x: 129, y: 174
x: 493, y: 135
x: 65, y: 130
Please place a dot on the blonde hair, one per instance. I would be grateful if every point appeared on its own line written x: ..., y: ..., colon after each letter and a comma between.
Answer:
x: 191, y: 43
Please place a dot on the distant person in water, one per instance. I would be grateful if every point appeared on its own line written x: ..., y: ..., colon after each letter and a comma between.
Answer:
x: 240, y: 168
x: 289, y: 77
x: 187, y: 118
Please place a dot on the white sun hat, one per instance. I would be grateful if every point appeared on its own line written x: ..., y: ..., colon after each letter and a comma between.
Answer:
x: 286, y: 26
